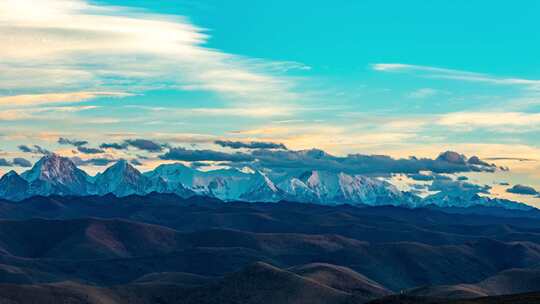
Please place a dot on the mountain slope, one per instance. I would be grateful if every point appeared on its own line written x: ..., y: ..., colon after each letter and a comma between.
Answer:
x: 54, y: 174
x: 510, y: 281
x: 342, y: 278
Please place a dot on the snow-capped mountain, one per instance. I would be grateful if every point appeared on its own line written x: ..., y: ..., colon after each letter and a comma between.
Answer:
x: 56, y: 175
x: 337, y: 188
x: 225, y: 184
x: 444, y: 199
x: 13, y: 186
x: 121, y: 179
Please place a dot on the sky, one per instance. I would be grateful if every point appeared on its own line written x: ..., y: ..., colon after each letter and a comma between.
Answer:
x: 371, y: 77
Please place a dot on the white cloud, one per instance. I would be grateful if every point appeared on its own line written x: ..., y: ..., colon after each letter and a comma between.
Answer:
x: 423, y: 93
x: 42, y: 113
x: 441, y: 73
x: 37, y: 99
x: 518, y: 121
x: 74, y: 46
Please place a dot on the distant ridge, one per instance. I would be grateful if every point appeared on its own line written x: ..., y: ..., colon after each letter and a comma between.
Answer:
x: 56, y: 175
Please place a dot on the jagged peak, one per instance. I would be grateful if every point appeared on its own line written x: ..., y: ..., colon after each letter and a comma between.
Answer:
x: 11, y: 173
x: 121, y: 166
x: 52, y: 167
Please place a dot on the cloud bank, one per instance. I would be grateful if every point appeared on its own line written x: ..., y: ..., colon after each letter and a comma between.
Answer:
x: 250, y: 145
x: 85, y: 50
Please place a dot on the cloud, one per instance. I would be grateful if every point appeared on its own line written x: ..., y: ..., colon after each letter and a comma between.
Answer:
x: 497, y: 120
x: 115, y: 146
x: 22, y: 162
x: 250, y: 145
x: 136, y: 162
x: 41, y: 113
x: 274, y: 156
x: 17, y: 161
x: 25, y: 148
x: 423, y: 93
x: 512, y: 158
x: 360, y: 164
x: 145, y: 144
x: 36, y: 149
x: 204, y: 155
x: 100, y: 162
x: 452, y: 157
x: 458, y: 188
x: 421, y: 177
x: 73, y: 142
x: 442, y: 73
x: 81, y: 50
x: 70, y: 97
x: 522, y: 189
x: 87, y: 150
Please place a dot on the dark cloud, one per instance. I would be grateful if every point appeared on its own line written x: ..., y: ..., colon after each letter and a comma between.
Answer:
x: 250, y: 145
x: 198, y: 164
x: 135, y: 162
x: 463, y: 178
x: 80, y: 144
x: 452, y: 157
x: 421, y: 177
x: 475, y: 160
x: 34, y: 149
x: 511, y: 158
x: 362, y: 164
x: 116, y: 146
x: 458, y: 188
x: 139, y: 143
x: 145, y: 144
x: 5, y: 163
x: 319, y: 160
x: 25, y: 148
x: 522, y: 189
x: 91, y: 162
x: 22, y: 162
x: 87, y: 150
x: 204, y: 155
x: 73, y: 142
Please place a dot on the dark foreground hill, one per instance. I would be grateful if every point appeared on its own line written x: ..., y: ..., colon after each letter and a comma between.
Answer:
x: 164, y: 249
x: 506, y: 282
x: 106, y: 252
x: 257, y: 283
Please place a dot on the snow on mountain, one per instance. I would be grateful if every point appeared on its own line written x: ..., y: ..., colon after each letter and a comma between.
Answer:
x: 56, y: 175
x: 225, y: 184
x: 13, y: 186
x: 121, y: 179
x: 337, y: 188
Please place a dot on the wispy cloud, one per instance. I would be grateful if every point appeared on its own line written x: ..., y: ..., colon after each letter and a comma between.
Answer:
x: 41, y: 113
x: 442, y: 73
x: 423, y: 93
x: 501, y: 121
x: 76, y: 46
x: 70, y: 97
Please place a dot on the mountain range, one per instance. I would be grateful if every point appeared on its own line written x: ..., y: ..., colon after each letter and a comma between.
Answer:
x: 57, y: 175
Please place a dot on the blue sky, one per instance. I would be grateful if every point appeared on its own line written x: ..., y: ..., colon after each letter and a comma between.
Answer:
x: 376, y: 77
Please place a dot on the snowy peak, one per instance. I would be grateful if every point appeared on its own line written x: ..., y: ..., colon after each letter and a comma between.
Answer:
x: 121, y: 179
x: 334, y: 188
x: 54, y: 174
x: 55, y: 168
x: 13, y: 186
